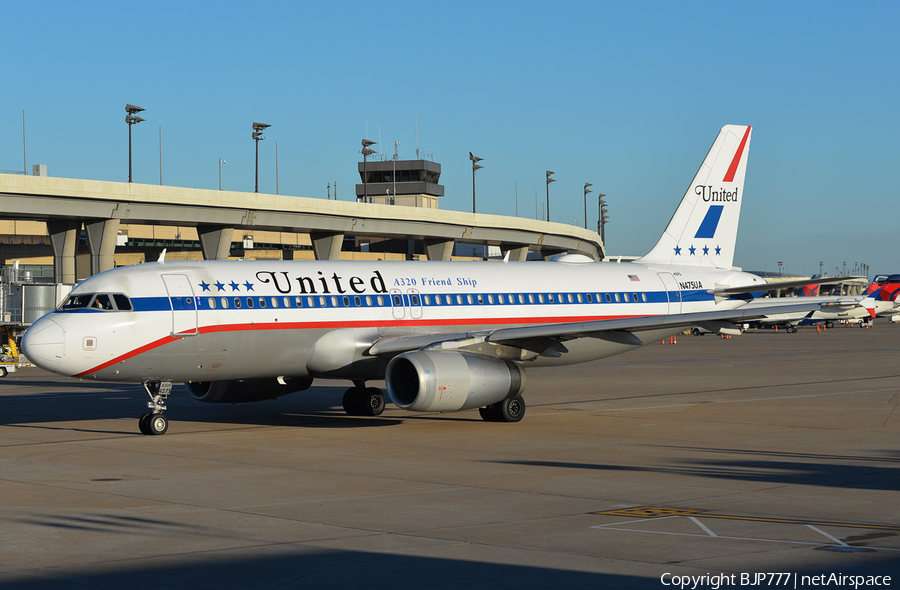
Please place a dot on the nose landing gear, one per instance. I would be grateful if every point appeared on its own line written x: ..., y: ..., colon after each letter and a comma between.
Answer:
x: 154, y: 422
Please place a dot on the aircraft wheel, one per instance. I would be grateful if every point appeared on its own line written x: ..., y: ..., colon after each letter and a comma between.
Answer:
x: 144, y: 423
x: 350, y: 401
x: 489, y: 413
x: 371, y: 402
x: 695, y: 331
x: 791, y: 329
x: 829, y: 324
x: 157, y: 424
x: 511, y: 410
x: 3, y: 372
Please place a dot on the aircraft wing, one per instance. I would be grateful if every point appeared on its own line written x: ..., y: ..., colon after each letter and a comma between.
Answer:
x: 724, y: 292
x: 547, y: 338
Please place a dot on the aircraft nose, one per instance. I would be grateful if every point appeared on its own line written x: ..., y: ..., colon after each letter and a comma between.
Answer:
x: 44, y: 344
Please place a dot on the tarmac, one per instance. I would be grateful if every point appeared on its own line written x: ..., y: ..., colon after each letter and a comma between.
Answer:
x: 769, y: 453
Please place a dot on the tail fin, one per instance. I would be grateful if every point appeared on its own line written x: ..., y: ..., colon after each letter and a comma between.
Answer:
x: 810, y: 290
x: 703, y: 230
x: 890, y: 289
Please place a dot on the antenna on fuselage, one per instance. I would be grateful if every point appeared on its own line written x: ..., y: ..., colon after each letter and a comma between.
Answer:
x: 162, y: 257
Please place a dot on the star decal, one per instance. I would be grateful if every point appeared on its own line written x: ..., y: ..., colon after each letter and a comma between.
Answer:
x: 705, y: 250
x: 249, y: 285
x: 718, y: 250
x: 677, y: 251
x: 693, y: 250
x: 220, y: 286
x: 234, y: 286
x: 205, y: 285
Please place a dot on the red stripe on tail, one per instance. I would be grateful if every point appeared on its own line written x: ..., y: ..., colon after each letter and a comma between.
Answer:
x: 729, y: 176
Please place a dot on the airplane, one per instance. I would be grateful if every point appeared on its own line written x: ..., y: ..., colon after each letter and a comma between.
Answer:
x: 879, y: 299
x: 445, y: 336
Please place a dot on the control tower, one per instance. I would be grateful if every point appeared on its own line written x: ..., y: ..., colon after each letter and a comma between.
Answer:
x: 411, y: 183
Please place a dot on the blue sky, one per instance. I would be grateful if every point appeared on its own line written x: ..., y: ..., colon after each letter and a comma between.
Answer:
x: 625, y: 95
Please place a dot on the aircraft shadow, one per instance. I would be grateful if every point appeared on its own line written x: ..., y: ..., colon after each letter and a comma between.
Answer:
x: 341, y: 569
x: 836, y: 475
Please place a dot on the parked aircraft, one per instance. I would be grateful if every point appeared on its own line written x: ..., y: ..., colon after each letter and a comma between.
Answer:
x: 879, y: 299
x: 445, y: 336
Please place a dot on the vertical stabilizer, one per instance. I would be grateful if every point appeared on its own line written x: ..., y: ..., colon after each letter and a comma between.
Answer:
x: 703, y: 230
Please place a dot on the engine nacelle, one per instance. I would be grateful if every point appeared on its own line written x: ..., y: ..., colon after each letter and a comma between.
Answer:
x: 245, y: 390
x: 446, y: 381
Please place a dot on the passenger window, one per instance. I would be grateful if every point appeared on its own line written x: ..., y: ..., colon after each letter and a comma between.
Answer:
x: 368, y: 300
x: 224, y: 303
x: 427, y: 299
x: 644, y: 297
x: 380, y: 301
x: 491, y: 299
x: 608, y: 299
x: 357, y: 301
x: 459, y: 300
x: 237, y: 303
x: 298, y: 301
x: 521, y: 298
x: 262, y: 301
x: 287, y: 301
x: 531, y: 298
x: 334, y: 301
x: 550, y: 297
x: 323, y: 302
x: 625, y: 295
x: 590, y: 298
x: 470, y: 300
x: 249, y: 303
x: 414, y: 299
x: 212, y: 303
x: 398, y: 301
x: 274, y: 301
x: 540, y: 297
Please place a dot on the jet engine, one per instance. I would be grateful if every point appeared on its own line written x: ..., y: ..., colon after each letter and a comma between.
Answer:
x: 446, y: 381
x: 245, y: 390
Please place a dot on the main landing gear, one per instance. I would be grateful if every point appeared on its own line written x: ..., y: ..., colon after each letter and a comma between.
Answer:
x: 154, y: 422
x: 508, y: 410
x: 360, y: 400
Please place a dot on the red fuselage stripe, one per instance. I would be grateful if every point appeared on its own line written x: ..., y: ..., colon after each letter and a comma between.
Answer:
x: 344, y: 324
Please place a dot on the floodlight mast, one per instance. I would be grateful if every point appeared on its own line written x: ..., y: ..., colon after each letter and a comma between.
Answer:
x: 549, y: 180
x: 258, y: 129
x: 475, y: 166
x: 131, y: 118
x: 366, y: 152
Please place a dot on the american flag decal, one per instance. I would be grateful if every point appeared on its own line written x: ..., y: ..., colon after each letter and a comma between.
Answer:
x: 634, y: 277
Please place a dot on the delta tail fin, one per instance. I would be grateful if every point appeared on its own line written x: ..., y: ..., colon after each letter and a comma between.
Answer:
x: 703, y: 230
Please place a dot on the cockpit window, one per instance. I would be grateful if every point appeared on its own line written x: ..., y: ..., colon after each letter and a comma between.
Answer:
x: 101, y: 301
x: 122, y: 302
x: 78, y: 301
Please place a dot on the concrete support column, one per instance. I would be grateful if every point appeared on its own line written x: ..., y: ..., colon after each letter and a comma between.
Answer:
x: 439, y: 249
x: 327, y: 246
x: 64, y: 239
x: 101, y: 236
x: 518, y: 253
x: 215, y: 241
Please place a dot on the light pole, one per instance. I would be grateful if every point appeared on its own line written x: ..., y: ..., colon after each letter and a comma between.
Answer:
x: 131, y: 118
x: 475, y: 166
x: 586, y: 191
x: 780, y: 263
x: 221, y: 161
x: 366, y: 152
x: 258, y: 129
x: 601, y: 223
x: 549, y: 180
